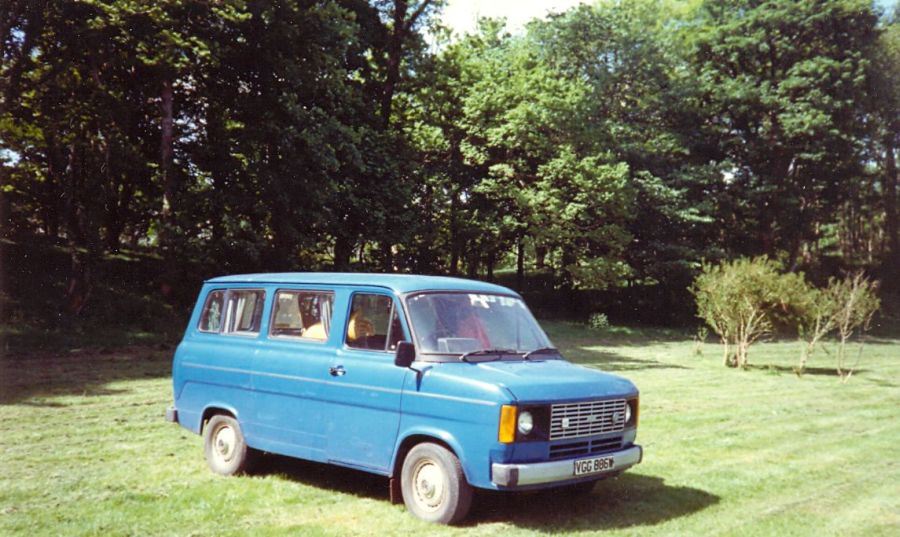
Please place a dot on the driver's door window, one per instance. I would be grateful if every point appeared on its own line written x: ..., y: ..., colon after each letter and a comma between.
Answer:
x: 374, y: 324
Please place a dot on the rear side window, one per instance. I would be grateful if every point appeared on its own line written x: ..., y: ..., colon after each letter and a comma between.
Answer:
x: 211, y: 318
x: 304, y: 314
x: 244, y: 311
x: 374, y: 323
x: 235, y: 311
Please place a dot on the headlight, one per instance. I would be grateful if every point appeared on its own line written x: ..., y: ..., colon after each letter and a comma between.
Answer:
x: 632, y: 412
x: 526, y: 422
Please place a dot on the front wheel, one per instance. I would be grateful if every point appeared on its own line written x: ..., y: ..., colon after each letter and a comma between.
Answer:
x: 223, y: 443
x: 434, y: 486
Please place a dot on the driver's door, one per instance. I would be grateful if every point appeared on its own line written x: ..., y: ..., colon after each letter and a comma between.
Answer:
x: 366, y: 387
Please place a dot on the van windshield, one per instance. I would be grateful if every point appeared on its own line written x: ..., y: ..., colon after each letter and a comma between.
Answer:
x: 461, y: 323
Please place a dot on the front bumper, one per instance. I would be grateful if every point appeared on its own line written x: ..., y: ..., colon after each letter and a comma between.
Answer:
x: 538, y: 473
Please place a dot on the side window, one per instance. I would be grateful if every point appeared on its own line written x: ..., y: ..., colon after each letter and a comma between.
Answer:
x: 373, y: 324
x: 244, y: 311
x: 211, y: 317
x: 305, y: 314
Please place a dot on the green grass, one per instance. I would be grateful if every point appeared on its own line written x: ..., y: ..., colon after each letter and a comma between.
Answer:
x: 85, y: 451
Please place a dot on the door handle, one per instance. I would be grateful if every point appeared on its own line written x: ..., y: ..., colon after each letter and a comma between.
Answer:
x: 338, y: 371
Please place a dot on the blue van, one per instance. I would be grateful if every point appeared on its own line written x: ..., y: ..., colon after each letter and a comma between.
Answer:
x: 441, y: 384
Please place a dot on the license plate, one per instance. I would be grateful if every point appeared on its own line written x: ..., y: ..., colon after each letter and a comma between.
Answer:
x: 593, y: 466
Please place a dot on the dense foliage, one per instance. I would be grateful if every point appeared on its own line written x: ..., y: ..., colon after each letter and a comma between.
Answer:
x: 615, y: 146
x: 746, y: 299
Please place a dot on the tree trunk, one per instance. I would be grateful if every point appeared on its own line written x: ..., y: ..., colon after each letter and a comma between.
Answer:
x: 394, y: 57
x: 841, y: 356
x: 491, y: 260
x: 568, y: 259
x: 804, y: 357
x: 889, y: 195
x: 83, y: 237
x: 117, y: 197
x: 520, y: 264
x: 166, y: 153
x: 472, y: 264
x: 454, y: 234
x: 387, y: 256
x: 343, y: 249
x: 4, y: 232
x: 118, y: 214
x: 53, y: 187
x: 399, y: 32
x: 540, y: 257
x: 81, y: 281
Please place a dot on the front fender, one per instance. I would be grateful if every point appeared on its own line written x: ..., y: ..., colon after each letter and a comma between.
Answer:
x: 423, y: 434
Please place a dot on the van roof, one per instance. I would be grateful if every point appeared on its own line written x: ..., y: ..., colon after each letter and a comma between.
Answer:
x: 399, y: 283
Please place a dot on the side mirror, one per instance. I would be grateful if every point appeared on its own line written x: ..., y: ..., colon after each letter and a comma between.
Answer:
x: 406, y: 354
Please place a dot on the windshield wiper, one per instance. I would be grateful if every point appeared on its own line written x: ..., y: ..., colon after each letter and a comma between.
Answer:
x: 542, y: 350
x: 486, y: 352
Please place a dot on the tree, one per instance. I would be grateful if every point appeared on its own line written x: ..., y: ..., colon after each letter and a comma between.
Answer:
x: 783, y: 81
x: 884, y: 141
x: 639, y: 108
x: 67, y: 118
x: 581, y: 206
x: 221, y: 131
x: 521, y: 134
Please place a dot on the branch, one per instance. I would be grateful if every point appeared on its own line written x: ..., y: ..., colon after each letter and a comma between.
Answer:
x: 407, y: 26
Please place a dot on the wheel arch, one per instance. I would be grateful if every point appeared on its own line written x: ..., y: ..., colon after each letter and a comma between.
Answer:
x: 213, y: 409
x: 414, y: 438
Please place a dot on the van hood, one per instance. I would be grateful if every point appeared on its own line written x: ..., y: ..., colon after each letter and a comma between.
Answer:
x: 534, y: 381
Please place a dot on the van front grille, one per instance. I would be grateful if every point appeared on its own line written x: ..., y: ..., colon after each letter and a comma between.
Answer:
x: 585, y: 447
x: 574, y: 420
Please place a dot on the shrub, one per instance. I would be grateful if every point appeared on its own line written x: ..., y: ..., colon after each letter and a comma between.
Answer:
x: 744, y: 300
x: 818, y: 309
x: 855, y: 302
x: 598, y: 321
x: 747, y: 299
x: 844, y: 305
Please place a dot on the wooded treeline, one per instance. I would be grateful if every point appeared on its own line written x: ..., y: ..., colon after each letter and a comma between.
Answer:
x: 613, y: 146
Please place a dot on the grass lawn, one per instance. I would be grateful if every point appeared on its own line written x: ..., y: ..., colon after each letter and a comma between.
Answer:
x: 84, y: 451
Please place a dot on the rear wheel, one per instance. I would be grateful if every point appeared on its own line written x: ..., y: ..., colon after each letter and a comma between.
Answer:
x: 223, y: 443
x: 434, y: 486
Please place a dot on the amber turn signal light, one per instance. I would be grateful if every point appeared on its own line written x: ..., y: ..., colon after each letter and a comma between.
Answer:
x: 507, y: 432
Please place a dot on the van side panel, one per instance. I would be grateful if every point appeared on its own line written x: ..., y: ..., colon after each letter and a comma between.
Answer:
x: 289, y: 413
x: 364, y: 397
x: 364, y: 408
x: 213, y: 370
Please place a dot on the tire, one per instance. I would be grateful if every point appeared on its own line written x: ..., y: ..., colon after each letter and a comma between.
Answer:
x: 225, y: 448
x: 434, y: 486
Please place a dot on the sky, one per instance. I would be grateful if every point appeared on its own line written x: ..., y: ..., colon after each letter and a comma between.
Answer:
x: 460, y: 15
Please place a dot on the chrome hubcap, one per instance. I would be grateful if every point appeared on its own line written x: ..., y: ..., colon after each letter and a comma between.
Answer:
x: 429, y: 484
x: 223, y: 443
